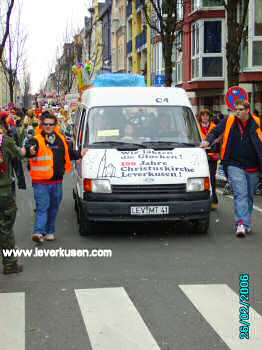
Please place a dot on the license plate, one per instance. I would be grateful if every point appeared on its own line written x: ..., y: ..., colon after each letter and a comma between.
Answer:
x: 150, y: 210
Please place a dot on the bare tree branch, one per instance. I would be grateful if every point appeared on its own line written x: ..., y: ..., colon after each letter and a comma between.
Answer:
x: 165, y: 22
x: 12, y: 58
x: 7, y: 28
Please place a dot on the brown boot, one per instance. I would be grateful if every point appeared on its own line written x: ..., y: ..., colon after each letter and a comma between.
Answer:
x: 14, y: 268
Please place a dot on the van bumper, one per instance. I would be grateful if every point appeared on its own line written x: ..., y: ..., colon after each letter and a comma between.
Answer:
x: 94, y: 211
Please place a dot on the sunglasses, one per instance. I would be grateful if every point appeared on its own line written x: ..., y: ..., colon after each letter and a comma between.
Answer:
x: 241, y: 109
x: 48, y: 124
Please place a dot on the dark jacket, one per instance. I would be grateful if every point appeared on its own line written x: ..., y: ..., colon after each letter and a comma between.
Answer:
x: 244, y: 151
x: 17, y: 164
x: 10, y: 152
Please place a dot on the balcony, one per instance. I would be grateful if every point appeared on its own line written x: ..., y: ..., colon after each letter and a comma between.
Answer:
x: 129, y: 9
x: 140, y: 40
x: 129, y: 47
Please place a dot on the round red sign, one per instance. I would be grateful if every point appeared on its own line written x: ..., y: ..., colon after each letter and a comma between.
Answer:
x: 235, y: 93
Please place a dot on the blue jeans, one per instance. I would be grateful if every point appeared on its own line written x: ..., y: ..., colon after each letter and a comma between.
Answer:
x: 47, y: 200
x: 243, y: 185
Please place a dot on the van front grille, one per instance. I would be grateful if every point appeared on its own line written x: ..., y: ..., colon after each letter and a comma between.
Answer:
x: 153, y: 189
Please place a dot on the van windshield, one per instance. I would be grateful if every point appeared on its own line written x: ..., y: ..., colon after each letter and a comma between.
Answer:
x: 142, y: 124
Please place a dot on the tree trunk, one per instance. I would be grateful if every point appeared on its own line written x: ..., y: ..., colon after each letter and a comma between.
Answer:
x: 11, y: 91
x: 233, y: 65
x: 167, y: 54
x: 235, y: 26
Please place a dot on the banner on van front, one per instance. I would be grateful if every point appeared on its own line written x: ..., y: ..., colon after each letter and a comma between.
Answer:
x: 133, y: 166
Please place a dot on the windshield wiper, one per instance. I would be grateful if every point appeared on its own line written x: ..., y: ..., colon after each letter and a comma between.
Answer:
x: 121, y: 144
x: 168, y: 144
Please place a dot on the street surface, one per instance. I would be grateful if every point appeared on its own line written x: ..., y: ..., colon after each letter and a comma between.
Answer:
x: 163, y: 288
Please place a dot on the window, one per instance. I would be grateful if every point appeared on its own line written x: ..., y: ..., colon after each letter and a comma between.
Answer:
x: 207, y: 56
x: 212, y: 37
x: 177, y: 58
x: 80, y: 136
x: 257, y: 38
x: 257, y: 53
x: 180, y: 11
x: 245, y: 39
x: 195, y: 50
x: 196, y: 4
x: 258, y: 18
x: 76, y: 121
x: 212, y: 67
x: 212, y: 3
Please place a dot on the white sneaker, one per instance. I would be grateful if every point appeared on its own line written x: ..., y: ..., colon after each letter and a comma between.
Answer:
x: 37, y: 237
x: 50, y: 237
x: 240, y: 231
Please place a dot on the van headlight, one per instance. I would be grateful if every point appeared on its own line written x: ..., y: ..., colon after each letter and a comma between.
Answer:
x: 198, y: 184
x: 97, y: 186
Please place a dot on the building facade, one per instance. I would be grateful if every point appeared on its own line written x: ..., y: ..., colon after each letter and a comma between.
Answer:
x: 251, y: 63
x: 106, y: 19
x: 204, y: 53
x: 139, y: 48
x: 4, y: 91
x: 204, y: 66
x: 119, y: 49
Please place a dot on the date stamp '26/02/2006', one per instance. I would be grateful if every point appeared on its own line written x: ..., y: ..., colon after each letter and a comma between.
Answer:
x: 244, y: 317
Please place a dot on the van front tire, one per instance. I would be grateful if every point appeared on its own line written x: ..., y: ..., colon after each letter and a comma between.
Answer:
x: 85, y: 227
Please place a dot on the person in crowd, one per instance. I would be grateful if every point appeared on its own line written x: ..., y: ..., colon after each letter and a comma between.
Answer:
x: 19, y: 117
x: 241, y: 155
x: 17, y: 166
x: 66, y: 128
x: 8, y: 152
x: 31, y: 119
x: 50, y: 157
x: 206, y: 126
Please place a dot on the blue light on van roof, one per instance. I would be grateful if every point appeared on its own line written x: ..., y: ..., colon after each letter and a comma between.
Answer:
x: 119, y: 79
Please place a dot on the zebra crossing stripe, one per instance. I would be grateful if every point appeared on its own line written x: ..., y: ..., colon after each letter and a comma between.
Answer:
x: 12, y: 321
x: 112, y: 321
x: 219, y: 305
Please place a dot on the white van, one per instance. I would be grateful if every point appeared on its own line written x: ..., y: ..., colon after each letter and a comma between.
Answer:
x: 143, y: 162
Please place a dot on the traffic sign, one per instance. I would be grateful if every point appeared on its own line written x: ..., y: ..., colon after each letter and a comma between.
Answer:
x: 235, y: 93
x: 160, y: 80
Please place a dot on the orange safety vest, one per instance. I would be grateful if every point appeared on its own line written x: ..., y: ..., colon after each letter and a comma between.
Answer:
x: 229, y: 124
x: 42, y: 165
x: 211, y: 127
x: 212, y: 155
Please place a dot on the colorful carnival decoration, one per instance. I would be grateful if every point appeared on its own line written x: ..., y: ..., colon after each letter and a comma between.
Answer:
x: 78, y: 72
x: 119, y: 79
x: 82, y: 74
x: 88, y: 67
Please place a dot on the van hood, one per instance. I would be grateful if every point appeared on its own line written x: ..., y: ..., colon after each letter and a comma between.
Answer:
x: 145, y: 166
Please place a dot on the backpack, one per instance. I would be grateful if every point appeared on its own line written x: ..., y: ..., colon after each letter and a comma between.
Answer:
x: 3, y: 163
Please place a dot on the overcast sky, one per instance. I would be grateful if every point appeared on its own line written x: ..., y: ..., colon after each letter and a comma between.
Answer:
x: 45, y: 22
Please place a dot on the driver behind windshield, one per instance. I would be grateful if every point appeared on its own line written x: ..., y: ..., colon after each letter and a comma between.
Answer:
x: 129, y: 132
x: 164, y: 127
